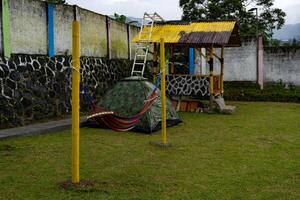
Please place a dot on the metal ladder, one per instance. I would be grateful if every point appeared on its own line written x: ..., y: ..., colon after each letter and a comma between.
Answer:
x: 142, y: 47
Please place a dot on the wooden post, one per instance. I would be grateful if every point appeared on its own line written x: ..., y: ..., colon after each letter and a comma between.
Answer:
x: 211, y: 76
x: 172, y: 59
x: 222, y: 71
x: 154, y: 69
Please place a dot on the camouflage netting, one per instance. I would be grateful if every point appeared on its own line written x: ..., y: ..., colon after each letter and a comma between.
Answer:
x: 127, y: 97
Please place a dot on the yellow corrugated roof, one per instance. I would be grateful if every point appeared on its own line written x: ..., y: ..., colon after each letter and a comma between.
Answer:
x: 172, y: 32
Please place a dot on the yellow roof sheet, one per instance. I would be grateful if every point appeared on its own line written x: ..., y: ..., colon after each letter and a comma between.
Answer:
x: 173, y: 32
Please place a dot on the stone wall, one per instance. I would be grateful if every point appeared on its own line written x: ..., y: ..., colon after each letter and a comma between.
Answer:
x: 34, y: 88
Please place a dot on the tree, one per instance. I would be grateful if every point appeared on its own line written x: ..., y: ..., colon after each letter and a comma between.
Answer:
x: 120, y: 18
x: 269, y: 18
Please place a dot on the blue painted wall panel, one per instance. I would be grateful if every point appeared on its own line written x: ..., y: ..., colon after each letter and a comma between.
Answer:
x: 191, y: 60
x: 50, y: 31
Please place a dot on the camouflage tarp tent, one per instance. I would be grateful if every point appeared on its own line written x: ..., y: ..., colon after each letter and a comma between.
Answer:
x: 127, y: 97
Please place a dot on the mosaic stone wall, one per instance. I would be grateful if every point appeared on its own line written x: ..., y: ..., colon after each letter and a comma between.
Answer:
x: 187, y: 85
x: 36, y: 88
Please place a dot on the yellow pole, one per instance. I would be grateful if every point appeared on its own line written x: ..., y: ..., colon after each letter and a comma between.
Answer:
x: 163, y: 93
x: 75, y: 99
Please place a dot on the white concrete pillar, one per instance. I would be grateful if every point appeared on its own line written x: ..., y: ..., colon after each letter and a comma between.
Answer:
x: 260, y: 62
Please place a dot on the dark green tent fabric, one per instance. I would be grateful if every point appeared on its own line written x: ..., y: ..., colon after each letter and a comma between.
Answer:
x: 127, y: 97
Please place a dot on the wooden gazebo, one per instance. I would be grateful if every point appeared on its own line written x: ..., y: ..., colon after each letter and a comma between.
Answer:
x: 202, y: 35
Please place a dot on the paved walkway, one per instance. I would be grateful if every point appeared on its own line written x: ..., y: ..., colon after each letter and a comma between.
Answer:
x: 37, y: 129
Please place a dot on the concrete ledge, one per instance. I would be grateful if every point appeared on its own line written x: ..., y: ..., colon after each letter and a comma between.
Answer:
x: 38, y: 129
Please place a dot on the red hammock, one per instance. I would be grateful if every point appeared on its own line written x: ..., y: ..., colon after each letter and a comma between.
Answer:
x: 120, y: 123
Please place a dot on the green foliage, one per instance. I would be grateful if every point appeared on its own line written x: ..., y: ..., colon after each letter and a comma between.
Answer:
x: 272, y: 92
x: 279, y: 43
x: 120, y: 18
x: 252, y: 154
x: 269, y: 18
x: 291, y: 43
x: 273, y: 43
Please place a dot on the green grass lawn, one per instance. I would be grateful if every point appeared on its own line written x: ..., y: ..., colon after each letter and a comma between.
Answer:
x: 252, y: 154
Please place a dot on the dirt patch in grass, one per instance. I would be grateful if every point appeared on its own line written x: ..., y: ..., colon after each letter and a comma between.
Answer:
x: 6, y: 147
x: 88, y: 186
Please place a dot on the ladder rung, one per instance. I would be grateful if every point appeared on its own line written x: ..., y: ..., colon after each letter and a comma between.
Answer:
x: 141, y: 55
x: 142, y: 47
x: 136, y: 71
x: 148, y: 16
x: 144, y: 41
x: 139, y: 63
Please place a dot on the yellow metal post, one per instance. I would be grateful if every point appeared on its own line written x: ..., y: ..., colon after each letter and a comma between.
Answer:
x: 163, y: 93
x: 222, y: 70
x: 75, y: 99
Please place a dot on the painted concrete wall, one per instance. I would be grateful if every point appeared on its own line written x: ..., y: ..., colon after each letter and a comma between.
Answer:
x: 63, y: 17
x: 133, y: 32
x: 93, y: 34
x: 28, y: 22
x: 118, y: 38
x: 29, y: 34
x: 240, y: 62
x: 278, y: 63
x: 282, y: 64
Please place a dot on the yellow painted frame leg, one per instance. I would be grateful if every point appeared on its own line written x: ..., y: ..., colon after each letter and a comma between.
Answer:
x: 75, y: 99
x: 163, y: 93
